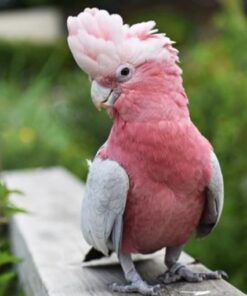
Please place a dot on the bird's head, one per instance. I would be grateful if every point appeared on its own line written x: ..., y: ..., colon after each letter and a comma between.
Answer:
x: 123, y: 62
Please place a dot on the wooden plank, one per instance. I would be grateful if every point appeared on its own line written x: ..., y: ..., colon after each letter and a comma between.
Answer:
x: 49, y: 240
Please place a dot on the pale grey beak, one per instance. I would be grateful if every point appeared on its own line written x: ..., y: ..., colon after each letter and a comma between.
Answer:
x: 102, y: 96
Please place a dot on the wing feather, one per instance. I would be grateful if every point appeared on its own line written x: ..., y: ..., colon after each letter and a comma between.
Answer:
x: 215, y: 200
x: 103, y: 205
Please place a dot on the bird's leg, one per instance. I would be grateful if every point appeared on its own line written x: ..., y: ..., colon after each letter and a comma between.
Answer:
x: 177, y: 271
x: 135, y: 282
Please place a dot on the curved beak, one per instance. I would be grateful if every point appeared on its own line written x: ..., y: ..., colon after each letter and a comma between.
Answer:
x: 102, y: 96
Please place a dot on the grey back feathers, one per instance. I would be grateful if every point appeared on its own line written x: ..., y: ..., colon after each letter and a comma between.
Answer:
x: 215, y: 200
x: 103, y: 205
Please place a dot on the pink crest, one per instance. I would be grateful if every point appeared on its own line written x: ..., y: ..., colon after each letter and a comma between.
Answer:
x: 100, y: 42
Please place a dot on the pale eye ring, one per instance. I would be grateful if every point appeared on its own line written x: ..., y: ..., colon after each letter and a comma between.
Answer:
x: 124, y: 72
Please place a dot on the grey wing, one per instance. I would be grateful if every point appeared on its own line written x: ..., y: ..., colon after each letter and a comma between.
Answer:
x: 215, y: 200
x: 104, y: 204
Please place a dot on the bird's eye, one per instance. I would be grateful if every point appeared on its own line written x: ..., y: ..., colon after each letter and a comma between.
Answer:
x: 124, y: 72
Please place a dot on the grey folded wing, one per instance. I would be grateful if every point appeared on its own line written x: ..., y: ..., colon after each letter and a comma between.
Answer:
x: 215, y: 200
x: 104, y: 204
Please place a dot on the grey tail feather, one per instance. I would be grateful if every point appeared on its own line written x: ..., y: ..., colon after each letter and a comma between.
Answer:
x: 94, y: 254
x: 204, y: 229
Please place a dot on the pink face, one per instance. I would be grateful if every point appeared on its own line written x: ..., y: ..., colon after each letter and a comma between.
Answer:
x: 122, y: 88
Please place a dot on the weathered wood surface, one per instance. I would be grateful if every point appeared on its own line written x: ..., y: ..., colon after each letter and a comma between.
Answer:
x: 49, y: 240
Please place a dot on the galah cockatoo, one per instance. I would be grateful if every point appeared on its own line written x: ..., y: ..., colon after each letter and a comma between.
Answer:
x: 156, y: 180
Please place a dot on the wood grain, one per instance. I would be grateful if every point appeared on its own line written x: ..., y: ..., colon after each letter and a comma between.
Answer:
x: 49, y: 241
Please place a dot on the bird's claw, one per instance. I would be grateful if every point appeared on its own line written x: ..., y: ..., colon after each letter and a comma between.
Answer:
x: 185, y: 274
x: 138, y: 287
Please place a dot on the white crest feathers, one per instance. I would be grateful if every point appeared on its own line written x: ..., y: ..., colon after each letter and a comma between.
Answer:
x: 100, y: 42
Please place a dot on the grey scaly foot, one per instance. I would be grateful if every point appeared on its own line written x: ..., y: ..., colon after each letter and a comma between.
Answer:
x: 135, y: 283
x: 179, y: 272
x: 137, y: 287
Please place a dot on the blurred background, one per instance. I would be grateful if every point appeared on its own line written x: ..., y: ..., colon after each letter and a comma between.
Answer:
x: 47, y: 118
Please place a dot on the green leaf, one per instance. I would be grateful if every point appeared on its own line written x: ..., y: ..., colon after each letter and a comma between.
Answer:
x: 6, y: 258
x: 5, y: 281
x: 11, y: 210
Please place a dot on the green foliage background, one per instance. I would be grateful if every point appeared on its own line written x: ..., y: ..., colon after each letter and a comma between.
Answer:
x: 8, y: 279
x: 47, y: 118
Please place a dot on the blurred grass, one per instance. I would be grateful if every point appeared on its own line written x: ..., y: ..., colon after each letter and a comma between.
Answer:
x: 47, y: 118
